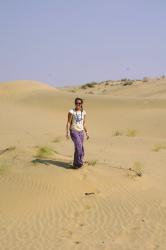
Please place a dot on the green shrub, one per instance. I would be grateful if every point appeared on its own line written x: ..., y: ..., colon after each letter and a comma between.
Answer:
x: 129, y: 82
x: 89, y: 85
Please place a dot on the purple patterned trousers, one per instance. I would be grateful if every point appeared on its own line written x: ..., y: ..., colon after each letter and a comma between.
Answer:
x: 78, y: 139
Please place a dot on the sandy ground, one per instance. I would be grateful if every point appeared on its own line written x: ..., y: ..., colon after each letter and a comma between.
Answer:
x: 43, y: 202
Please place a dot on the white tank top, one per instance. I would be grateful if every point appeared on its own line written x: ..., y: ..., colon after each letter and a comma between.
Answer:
x: 77, y: 119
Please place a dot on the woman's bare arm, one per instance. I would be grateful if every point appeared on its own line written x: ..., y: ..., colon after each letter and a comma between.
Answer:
x: 69, y: 118
x: 85, y: 128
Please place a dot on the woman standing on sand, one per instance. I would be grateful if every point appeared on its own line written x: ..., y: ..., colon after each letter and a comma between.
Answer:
x: 76, y: 126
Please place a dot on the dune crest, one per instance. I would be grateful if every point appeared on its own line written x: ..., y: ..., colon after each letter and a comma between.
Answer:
x: 20, y: 86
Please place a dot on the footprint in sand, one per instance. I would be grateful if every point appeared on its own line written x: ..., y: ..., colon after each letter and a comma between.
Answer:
x: 83, y: 172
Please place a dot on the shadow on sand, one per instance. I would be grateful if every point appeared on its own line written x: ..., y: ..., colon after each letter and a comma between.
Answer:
x: 53, y: 162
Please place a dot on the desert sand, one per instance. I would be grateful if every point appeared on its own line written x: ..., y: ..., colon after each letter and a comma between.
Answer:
x: 44, y: 205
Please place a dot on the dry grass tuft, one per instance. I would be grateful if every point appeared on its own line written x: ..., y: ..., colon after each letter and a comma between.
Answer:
x: 145, y: 79
x: 158, y: 147
x: 136, y: 170
x: 117, y: 133
x: 92, y: 162
x: 131, y: 132
x: 57, y: 139
x: 3, y: 167
x: 44, y: 152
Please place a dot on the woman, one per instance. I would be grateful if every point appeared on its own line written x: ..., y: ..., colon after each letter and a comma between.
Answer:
x: 76, y: 127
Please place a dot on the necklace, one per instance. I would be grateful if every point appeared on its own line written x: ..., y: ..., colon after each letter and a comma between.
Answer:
x: 77, y: 117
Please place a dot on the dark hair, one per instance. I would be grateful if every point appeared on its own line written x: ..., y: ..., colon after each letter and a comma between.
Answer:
x: 79, y: 99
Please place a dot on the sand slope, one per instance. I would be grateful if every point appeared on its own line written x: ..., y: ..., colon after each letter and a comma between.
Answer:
x: 43, y: 201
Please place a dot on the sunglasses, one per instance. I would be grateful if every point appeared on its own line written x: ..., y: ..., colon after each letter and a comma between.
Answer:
x: 78, y: 103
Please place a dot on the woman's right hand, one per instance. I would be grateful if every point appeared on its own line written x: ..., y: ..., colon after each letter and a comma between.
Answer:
x: 67, y: 136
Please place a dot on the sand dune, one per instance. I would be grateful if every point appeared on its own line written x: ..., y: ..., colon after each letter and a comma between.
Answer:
x: 22, y: 86
x: 43, y: 201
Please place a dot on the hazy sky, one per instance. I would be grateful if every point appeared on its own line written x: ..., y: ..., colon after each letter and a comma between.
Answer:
x: 67, y: 42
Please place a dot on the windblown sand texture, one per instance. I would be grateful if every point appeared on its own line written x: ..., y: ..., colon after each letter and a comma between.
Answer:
x: 43, y: 205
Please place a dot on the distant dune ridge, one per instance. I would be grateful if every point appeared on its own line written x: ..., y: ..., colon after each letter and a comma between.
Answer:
x: 147, y: 87
x: 22, y: 86
x: 117, y: 200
